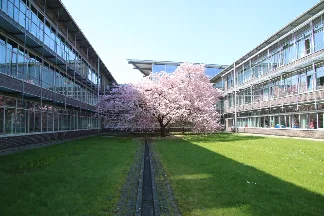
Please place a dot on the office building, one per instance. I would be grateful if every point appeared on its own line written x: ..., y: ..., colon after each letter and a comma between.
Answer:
x: 278, y: 87
x: 50, y: 75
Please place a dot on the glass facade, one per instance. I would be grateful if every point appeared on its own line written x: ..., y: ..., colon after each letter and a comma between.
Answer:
x: 19, y: 116
x: 25, y: 65
x: 299, y: 44
x: 28, y: 17
x: 169, y: 68
x: 280, y: 86
x: 47, y: 58
x: 305, y: 117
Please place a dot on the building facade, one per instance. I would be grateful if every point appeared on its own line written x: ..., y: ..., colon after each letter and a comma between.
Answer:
x: 50, y: 75
x: 280, y: 83
x: 146, y: 67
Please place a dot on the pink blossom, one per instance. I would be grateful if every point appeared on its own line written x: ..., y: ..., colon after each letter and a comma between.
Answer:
x: 185, y: 96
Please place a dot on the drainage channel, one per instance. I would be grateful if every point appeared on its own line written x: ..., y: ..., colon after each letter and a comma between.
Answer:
x: 147, y: 204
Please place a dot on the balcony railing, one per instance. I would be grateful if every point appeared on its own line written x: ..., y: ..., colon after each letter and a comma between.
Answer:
x: 297, y: 64
x: 294, y: 99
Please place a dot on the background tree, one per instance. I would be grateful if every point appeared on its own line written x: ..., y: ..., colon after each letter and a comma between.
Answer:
x: 160, y: 99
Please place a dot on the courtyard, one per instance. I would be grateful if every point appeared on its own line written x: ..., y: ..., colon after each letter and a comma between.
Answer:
x: 80, y: 177
x: 227, y: 174
x: 217, y: 174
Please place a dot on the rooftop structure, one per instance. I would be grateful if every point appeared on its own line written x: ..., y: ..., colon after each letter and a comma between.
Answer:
x: 146, y: 67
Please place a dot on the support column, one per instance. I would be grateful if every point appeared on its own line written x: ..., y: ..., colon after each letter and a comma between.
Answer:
x: 299, y: 120
x: 98, y: 122
x: 313, y: 40
x: 290, y: 121
x: 41, y: 71
x: 235, y: 111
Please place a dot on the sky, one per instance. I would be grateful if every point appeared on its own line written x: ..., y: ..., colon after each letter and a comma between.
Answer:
x: 200, y: 31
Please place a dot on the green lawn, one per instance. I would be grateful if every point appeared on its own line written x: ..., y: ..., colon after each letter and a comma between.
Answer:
x: 227, y: 174
x: 81, y: 177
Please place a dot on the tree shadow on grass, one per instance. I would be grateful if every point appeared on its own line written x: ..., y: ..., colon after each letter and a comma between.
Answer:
x: 208, y: 183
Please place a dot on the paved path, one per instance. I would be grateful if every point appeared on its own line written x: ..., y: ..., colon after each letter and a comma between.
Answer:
x: 265, y: 135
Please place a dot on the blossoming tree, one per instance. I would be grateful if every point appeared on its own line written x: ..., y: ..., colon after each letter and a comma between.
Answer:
x: 185, y: 96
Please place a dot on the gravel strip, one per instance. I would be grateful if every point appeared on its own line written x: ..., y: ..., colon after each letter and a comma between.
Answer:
x: 127, y: 202
x: 166, y: 199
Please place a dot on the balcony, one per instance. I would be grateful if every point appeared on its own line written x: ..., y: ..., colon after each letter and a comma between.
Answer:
x: 34, y: 43
x: 14, y: 85
x: 294, y: 99
x: 292, y: 66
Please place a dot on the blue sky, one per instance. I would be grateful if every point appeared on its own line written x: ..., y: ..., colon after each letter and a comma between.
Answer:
x: 206, y: 31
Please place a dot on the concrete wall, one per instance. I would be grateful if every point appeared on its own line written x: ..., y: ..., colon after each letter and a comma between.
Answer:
x: 295, y: 132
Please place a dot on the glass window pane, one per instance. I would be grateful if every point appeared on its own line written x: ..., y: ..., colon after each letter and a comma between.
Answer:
x: 320, y: 77
x: 1, y: 117
x: 10, y: 120
x: 318, y: 40
x: 158, y: 68
x: 171, y: 68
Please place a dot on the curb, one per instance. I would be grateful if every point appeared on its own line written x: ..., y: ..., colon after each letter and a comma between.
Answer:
x: 155, y: 194
x: 138, y: 211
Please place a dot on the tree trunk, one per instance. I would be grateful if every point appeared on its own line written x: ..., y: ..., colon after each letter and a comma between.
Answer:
x: 163, y: 131
x: 163, y: 127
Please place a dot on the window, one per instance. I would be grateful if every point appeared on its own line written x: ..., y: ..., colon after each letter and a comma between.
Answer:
x: 307, y: 46
x: 158, y: 68
x: 229, y: 81
x: 171, y: 68
x: 22, y: 16
x: 275, y: 88
x: 247, y: 96
x: 294, y: 84
x: 302, y: 83
x: 271, y: 94
x: 10, y: 9
x: 247, y: 76
x: 318, y: 39
x: 320, y: 77
x: 287, y: 84
x: 309, y: 81
x: 230, y: 100
x: 2, y: 56
x: 4, y: 5
x: 1, y: 116
x: 219, y: 84
x: 301, y: 48
x: 240, y: 78
x: 266, y: 92
x: 288, y: 52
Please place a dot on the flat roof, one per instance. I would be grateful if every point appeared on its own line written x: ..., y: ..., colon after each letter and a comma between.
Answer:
x: 290, y: 26
x: 83, y: 43
x: 145, y: 66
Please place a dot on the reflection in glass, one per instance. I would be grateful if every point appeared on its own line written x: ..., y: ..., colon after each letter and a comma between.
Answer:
x: 158, y: 68
x: 170, y: 68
